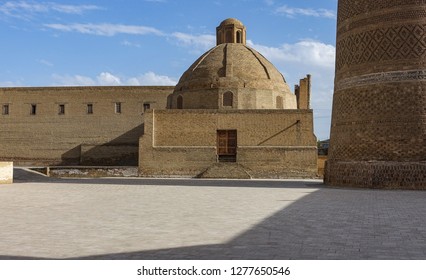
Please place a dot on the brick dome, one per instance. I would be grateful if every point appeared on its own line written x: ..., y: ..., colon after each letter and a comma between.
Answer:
x: 231, y: 21
x: 232, y: 67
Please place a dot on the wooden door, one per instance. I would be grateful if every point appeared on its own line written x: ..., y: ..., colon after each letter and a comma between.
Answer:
x: 227, y: 142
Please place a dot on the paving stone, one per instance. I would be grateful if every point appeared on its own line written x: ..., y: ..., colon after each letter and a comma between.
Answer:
x: 134, y: 218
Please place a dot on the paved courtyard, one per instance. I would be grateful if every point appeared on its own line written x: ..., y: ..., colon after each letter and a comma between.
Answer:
x: 134, y: 218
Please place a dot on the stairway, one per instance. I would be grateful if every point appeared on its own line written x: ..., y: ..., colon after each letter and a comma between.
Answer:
x: 225, y: 170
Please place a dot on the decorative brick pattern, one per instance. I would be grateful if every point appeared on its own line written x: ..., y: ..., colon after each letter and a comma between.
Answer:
x: 378, y: 175
x: 380, y: 17
x: 384, y: 77
x: 351, y: 8
x: 379, y: 122
x: 379, y: 104
x: 382, y: 44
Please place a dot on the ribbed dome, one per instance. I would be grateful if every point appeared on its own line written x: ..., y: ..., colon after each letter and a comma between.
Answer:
x: 232, y: 76
x: 232, y: 66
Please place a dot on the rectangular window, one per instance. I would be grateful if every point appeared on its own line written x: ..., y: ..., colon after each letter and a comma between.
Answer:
x: 61, y: 109
x: 5, y: 110
x: 33, y: 109
x: 146, y: 106
x: 118, y: 107
x: 89, y: 109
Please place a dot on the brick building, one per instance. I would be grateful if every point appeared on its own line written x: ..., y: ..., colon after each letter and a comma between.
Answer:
x: 231, y: 105
x: 75, y: 125
x: 232, y: 114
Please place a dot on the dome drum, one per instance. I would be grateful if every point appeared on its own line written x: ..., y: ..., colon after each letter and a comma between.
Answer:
x: 219, y: 98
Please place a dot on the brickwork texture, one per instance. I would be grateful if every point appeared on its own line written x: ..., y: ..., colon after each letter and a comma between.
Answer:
x: 271, y: 143
x: 231, y: 66
x: 107, y: 136
x: 378, y: 131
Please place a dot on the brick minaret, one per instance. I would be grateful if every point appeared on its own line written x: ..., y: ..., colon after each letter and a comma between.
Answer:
x: 378, y: 131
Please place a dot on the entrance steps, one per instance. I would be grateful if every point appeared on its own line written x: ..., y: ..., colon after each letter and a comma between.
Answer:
x: 225, y: 170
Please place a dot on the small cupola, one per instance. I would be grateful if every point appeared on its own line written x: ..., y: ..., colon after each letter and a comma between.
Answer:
x: 231, y: 30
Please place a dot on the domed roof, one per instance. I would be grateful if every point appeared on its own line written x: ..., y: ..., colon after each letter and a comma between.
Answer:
x: 232, y: 65
x: 232, y: 76
x: 229, y: 21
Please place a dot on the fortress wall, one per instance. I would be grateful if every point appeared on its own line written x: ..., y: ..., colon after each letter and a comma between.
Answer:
x: 75, y: 137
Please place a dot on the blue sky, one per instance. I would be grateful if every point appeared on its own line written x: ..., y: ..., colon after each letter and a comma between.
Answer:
x: 152, y: 42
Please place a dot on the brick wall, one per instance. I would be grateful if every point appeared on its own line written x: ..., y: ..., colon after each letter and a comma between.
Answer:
x: 271, y: 143
x: 377, y: 174
x: 48, y: 137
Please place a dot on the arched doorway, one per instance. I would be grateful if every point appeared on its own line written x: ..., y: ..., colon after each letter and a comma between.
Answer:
x: 179, y: 102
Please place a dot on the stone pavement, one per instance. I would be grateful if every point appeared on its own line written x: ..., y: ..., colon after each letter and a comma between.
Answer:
x: 135, y: 218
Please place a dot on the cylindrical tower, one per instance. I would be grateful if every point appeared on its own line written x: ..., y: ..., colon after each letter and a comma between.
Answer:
x: 378, y: 129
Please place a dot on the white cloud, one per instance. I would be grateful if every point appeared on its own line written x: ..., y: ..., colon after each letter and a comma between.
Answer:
x: 293, y: 12
x: 150, y: 78
x: 105, y: 29
x: 75, y: 80
x: 309, y: 52
x: 203, y: 42
x: 130, y: 44
x: 45, y: 62
x: 197, y: 42
x: 294, y: 61
x: 108, y: 79
x: 73, y: 9
x: 25, y: 9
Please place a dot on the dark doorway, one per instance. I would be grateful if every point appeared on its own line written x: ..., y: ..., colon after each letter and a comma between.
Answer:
x: 227, y: 145
x: 180, y: 102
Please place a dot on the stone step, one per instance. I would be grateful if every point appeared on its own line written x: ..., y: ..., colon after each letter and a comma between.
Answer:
x: 225, y: 170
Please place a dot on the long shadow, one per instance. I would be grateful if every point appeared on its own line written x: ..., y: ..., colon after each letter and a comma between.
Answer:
x: 120, y: 151
x: 27, y: 176
x: 325, y: 224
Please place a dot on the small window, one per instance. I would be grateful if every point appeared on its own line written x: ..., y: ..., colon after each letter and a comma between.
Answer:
x: 239, y: 40
x: 89, y: 109
x: 146, y: 106
x: 228, y: 98
x: 180, y: 102
x: 61, y: 109
x: 5, y: 110
x: 33, y: 109
x: 118, y: 107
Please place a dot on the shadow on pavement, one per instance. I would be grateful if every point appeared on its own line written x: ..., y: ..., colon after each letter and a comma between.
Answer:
x: 22, y: 175
x: 326, y: 224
